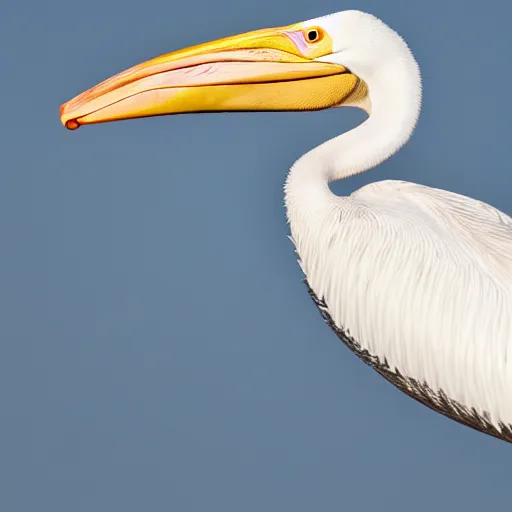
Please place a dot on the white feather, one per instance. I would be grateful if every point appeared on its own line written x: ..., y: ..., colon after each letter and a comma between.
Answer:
x: 420, y: 277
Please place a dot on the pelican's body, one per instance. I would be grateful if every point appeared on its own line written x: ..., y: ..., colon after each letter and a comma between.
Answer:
x: 416, y: 281
x: 430, y: 268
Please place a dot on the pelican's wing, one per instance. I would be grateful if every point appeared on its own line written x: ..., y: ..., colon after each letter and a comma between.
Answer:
x: 419, y: 281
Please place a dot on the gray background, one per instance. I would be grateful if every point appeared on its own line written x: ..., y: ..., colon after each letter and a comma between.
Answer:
x: 158, y: 350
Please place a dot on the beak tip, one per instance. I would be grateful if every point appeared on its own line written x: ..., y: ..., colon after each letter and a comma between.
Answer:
x: 72, y: 124
x: 69, y: 123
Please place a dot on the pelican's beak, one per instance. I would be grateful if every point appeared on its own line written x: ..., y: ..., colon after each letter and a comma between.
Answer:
x: 265, y: 70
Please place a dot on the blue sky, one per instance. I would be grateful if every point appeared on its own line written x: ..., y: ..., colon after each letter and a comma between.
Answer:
x: 158, y: 349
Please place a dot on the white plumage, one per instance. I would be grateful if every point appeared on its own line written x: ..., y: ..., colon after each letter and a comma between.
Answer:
x: 420, y: 279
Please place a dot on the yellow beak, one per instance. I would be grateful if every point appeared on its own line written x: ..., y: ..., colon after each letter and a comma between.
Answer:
x: 265, y: 70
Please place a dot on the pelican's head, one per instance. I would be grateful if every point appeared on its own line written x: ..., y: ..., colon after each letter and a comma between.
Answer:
x: 305, y: 66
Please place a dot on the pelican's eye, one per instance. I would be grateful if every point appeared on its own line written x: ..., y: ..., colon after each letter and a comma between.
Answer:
x: 313, y: 35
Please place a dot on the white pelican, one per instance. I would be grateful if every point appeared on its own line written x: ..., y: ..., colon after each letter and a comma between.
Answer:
x: 416, y: 281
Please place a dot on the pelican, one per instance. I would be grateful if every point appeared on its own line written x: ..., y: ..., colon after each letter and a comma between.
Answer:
x: 416, y: 281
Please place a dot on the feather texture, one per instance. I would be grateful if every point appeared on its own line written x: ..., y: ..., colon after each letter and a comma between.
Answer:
x: 422, y: 283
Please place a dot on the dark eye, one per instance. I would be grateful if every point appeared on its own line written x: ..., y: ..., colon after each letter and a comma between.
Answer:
x: 312, y: 35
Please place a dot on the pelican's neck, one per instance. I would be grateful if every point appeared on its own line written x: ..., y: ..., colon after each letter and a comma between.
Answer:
x: 395, y: 97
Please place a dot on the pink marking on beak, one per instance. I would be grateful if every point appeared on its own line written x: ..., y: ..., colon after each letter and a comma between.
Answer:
x: 298, y: 39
